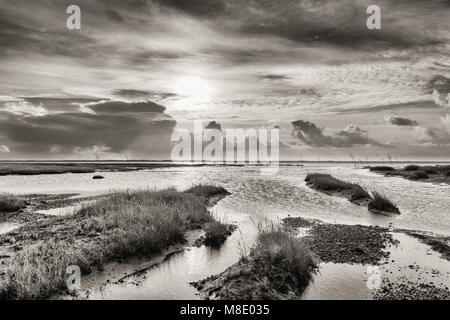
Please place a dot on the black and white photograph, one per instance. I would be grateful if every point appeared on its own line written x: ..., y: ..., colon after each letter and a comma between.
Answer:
x: 245, y: 150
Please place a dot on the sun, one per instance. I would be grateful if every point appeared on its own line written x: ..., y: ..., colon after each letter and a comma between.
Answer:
x: 193, y: 87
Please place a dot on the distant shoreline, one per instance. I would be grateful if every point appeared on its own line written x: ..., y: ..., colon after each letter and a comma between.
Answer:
x: 37, y: 167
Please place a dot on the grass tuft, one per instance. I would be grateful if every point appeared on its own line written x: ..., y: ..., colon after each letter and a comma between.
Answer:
x: 381, y: 203
x: 281, y: 250
x: 419, y: 175
x: 207, y: 191
x: 381, y: 168
x: 326, y: 182
x: 10, y: 203
x: 278, y: 266
x: 216, y: 232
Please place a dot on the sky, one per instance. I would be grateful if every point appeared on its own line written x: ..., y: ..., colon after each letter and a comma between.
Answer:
x: 139, y: 70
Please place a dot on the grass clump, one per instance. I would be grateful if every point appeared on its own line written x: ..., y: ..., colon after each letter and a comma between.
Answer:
x: 419, y: 175
x: 10, y: 203
x: 281, y: 250
x: 209, y: 194
x: 207, y: 191
x: 278, y: 266
x: 40, y: 270
x: 327, y: 183
x: 381, y: 168
x: 411, y: 167
x: 115, y: 227
x: 216, y: 232
x: 381, y: 203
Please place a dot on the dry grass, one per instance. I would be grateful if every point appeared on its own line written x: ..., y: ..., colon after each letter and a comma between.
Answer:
x: 411, y: 167
x: 381, y: 203
x: 40, y: 270
x: 10, y: 203
x: 326, y: 182
x: 216, y: 232
x: 124, y: 224
x: 381, y: 168
x: 207, y: 191
x: 280, y: 250
x: 278, y: 266
x: 419, y: 175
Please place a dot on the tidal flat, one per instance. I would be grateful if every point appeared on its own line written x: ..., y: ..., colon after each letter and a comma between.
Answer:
x: 148, y: 239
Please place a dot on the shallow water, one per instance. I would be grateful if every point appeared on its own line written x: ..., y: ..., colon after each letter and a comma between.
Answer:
x: 6, y: 227
x: 410, y: 260
x: 254, y: 197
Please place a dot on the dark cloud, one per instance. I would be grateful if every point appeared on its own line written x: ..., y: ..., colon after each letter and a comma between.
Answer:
x: 314, y: 136
x: 274, y: 77
x: 198, y: 7
x: 439, y: 83
x: 117, y: 127
x: 399, y: 121
x: 132, y: 93
x: 122, y: 107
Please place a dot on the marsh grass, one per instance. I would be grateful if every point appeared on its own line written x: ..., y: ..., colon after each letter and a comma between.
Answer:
x: 40, y: 270
x: 205, y: 192
x: 121, y: 225
x: 419, y: 175
x: 10, y: 203
x: 326, y: 182
x: 411, y: 167
x: 276, y: 249
x: 381, y: 203
x: 381, y: 168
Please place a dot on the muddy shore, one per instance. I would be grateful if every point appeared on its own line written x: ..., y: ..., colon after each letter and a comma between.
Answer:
x: 341, y: 244
x: 38, y: 229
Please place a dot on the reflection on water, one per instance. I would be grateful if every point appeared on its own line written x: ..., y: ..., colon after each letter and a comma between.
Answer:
x: 410, y: 260
x: 424, y: 206
x: 339, y: 282
x: 6, y: 227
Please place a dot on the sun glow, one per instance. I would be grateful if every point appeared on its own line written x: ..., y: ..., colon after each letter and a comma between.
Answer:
x: 193, y: 87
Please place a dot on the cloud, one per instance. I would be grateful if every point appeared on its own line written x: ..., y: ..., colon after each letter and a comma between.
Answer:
x: 213, y: 125
x: 133, y: 93
x: 423, y: 104
x: 116, y: 127
x: 210, y: 8
x: 432, y: 136
x: 399, y: 121
x: 314, y: 136
x: 121, y: 107
x: 445, y: 122
x: 25, y: 108
x: 4, y: 149
x: 442, y: 100
x: 439, y: 86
